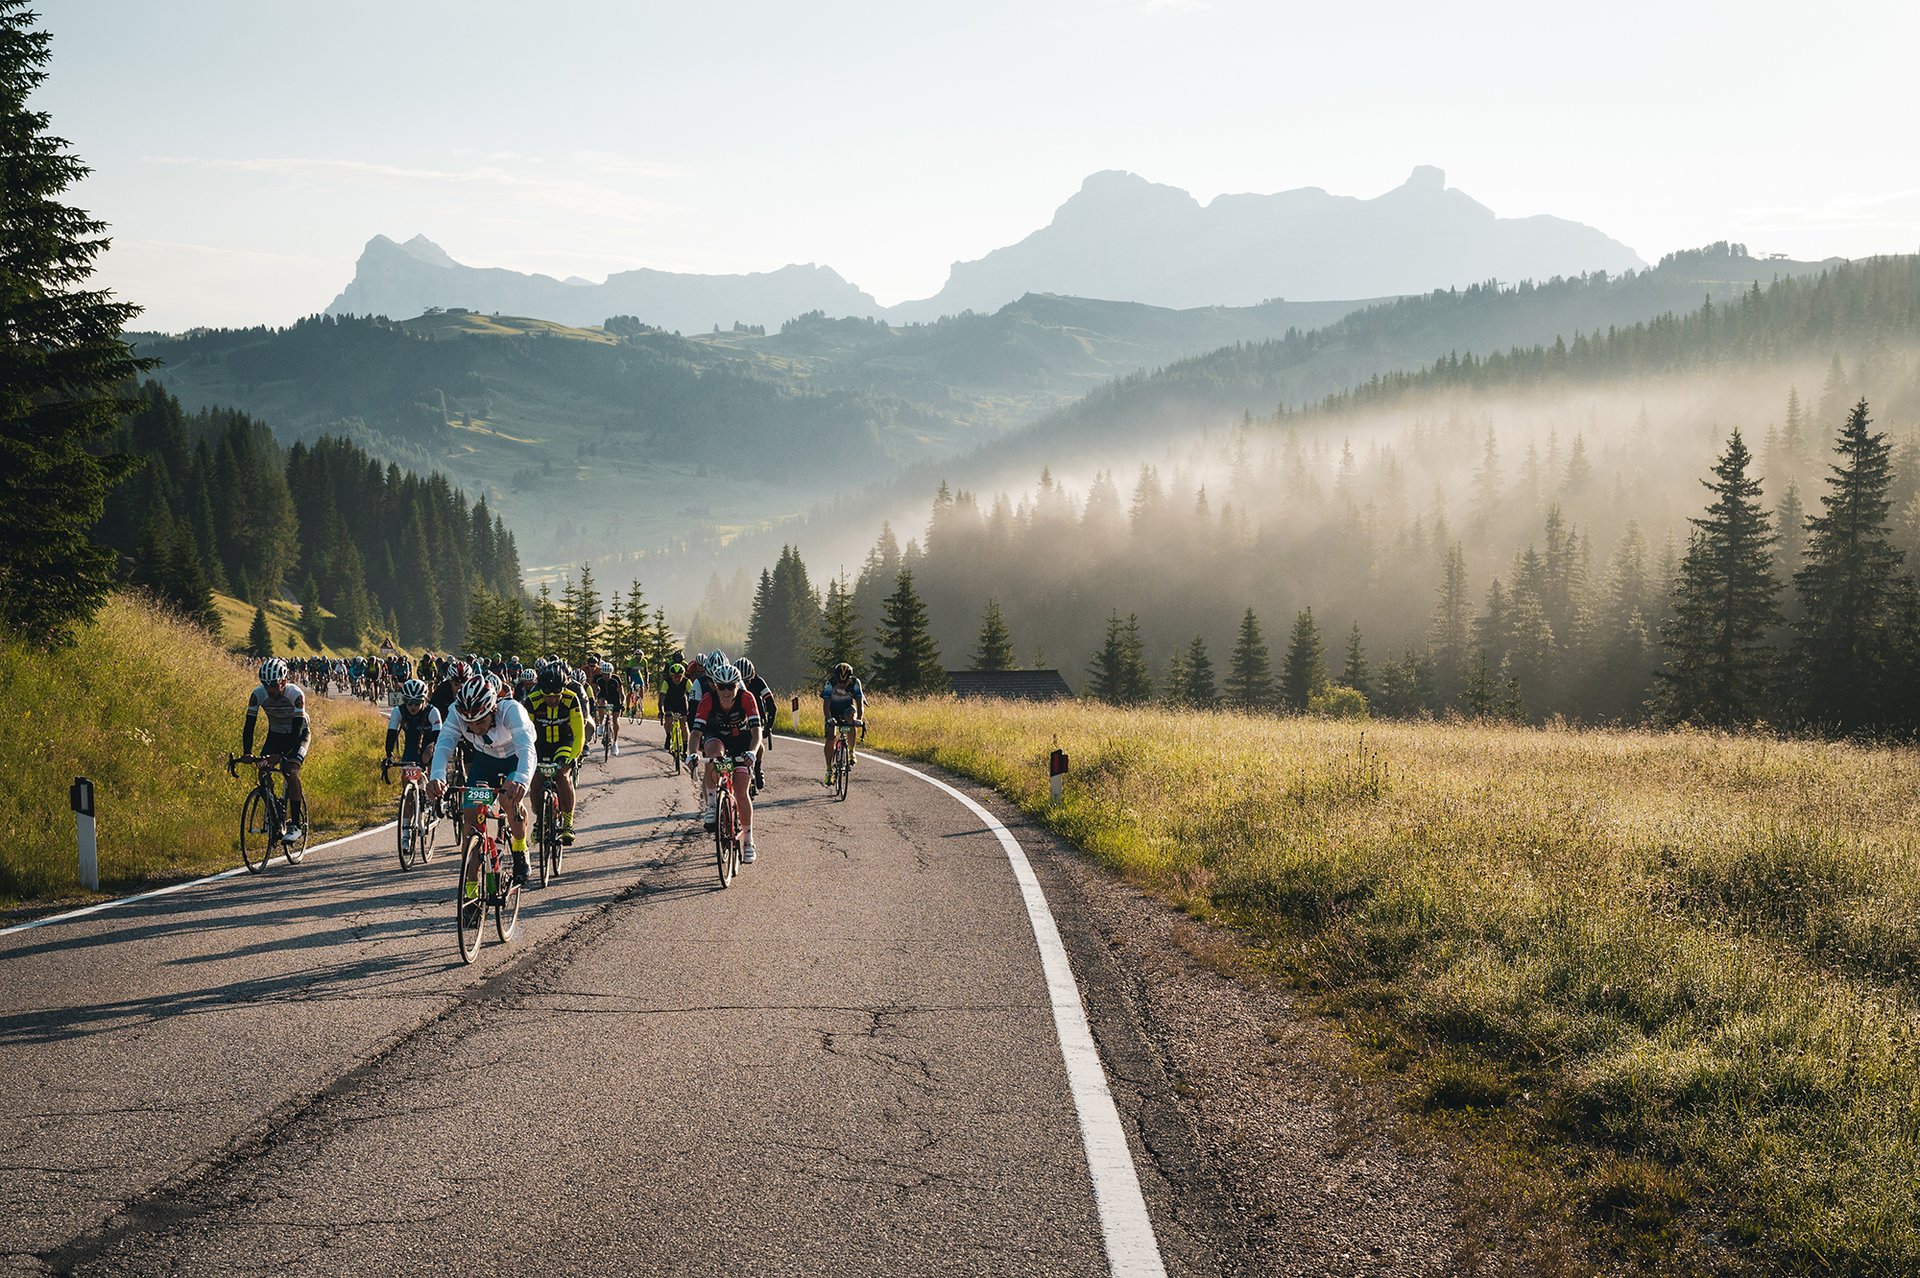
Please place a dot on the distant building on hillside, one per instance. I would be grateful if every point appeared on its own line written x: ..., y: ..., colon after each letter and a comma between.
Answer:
x: 1014, y: 685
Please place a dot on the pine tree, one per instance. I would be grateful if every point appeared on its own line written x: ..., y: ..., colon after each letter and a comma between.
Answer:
x: 1719, y: 662
x: 907, y: 662
x: 62, y: 364
x: 259, y: 638
x: 995, y: 650
x: 1355, y: 674
x: 1447, y: 638
x: 1104, y: 666
x: 311, y: 627
x: 1250, y: 671
x: 840, y: 634
x: 613, y: 632
x: 637, y: 629
x: 1136, y: 684
x: 1194, y: 685
x: 513, y: 633
x: 586, y: 616
x: 1119, y: 666
x: 1843, y: 655
x: 1303, y: 671
x: 548, y: 626
x: 567, y: 639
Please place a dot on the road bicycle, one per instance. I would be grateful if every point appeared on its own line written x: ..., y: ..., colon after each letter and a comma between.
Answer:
x: 726, y: 824
x: 840, y: 771
x: 548, y: 849
x: 606, y: 733
x: 416, y: 818
x: 263, y: 815
x: 482, y: 882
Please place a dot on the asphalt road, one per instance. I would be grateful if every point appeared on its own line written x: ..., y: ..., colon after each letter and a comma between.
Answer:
x: 846, y: 1063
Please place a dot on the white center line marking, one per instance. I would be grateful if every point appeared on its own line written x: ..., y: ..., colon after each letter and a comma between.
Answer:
x: 1132, y: 1251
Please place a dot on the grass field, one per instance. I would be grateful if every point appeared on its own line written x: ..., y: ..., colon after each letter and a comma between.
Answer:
x: 148, y: 707
x: 1664, y: 983
x: 283, y: 621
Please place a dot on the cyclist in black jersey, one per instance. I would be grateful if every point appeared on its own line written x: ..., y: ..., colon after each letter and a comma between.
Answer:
x: 289, y: 732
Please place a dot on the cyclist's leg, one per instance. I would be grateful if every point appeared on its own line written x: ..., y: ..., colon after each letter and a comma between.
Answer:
x: 743, y: 791
x: 567, y: 792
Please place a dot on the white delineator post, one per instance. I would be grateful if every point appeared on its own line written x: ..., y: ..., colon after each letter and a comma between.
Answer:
x: 80, y: 799
x: 1057, y: 772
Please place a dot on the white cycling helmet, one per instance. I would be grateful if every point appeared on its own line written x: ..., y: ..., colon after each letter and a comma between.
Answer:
x: 476, y: 698
x: 273, y: 670
x: 724, y: 675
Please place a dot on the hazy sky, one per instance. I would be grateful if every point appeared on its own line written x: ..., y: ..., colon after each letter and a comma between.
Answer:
x: 245, y: 151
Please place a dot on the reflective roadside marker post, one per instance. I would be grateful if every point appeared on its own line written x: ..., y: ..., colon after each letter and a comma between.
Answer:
x: 80, y: 799
x: 1057, y: 772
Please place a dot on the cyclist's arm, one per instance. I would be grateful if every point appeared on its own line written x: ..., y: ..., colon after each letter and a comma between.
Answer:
x: 442, y: 752
x: 523, y: 747
x: 393, y: 731
x: 577, y: 725
x: 246, y: 736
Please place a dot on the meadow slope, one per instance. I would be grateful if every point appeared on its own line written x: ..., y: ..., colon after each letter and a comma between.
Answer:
x: 148, y: 706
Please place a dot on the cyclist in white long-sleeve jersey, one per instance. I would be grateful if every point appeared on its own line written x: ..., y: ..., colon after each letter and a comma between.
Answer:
x: 500, y: 736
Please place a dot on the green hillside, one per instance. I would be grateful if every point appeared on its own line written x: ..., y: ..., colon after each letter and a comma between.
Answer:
x: 619, y: 441
x: 148, y: 706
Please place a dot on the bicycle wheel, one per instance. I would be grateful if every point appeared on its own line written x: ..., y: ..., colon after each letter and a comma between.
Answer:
x: 548, y: 845
x: 842, y: 770
x: 470, y: 905
x: 258, y: 827
x: 406, y: 825
x: 506, y: 906
x: 606, y: 742
x: 723, y: 853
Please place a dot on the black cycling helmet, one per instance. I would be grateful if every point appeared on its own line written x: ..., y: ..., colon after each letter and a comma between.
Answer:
x: 842, y: 672
x: 552, y: 680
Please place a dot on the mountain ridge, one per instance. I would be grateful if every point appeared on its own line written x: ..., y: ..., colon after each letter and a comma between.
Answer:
x: 1120, y: 237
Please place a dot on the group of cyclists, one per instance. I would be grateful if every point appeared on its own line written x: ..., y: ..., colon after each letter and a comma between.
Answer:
x: 493, y: 723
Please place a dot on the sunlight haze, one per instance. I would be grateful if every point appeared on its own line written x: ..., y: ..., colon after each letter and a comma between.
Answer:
x: 245, y: 153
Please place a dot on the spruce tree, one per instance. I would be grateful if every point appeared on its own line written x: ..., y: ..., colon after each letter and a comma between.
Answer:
x: 1104, y: 666
x: 907, y: 662
x: 1303, y: 671
x: 840, y: 634
x: 1843, y: 656
x: 995, y: 650
x: 62, y: 364
x: 586, y: 616
x: 1720, y: 665
x: 1447, y: 638
x: 1195, y: 686
x: 311, y: 628
x: 1250, y: 670
x: 1355, y: 674
x: 259, y: 638
x: 1136, y: 684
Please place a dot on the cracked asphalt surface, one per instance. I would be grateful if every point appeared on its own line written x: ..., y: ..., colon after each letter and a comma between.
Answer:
x: 846, y: 1062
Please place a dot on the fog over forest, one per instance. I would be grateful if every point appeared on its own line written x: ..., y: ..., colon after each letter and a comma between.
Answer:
x: 1536, y: 519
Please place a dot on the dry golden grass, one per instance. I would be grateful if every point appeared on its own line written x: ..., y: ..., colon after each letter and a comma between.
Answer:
x: 148, y: 707
x: 1673, y: 972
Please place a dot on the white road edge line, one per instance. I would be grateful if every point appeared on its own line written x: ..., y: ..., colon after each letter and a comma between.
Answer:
x: 1132, y: 1251
x: 177, y: 887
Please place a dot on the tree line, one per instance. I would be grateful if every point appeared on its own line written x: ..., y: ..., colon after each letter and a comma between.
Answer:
x: 215, y: 503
